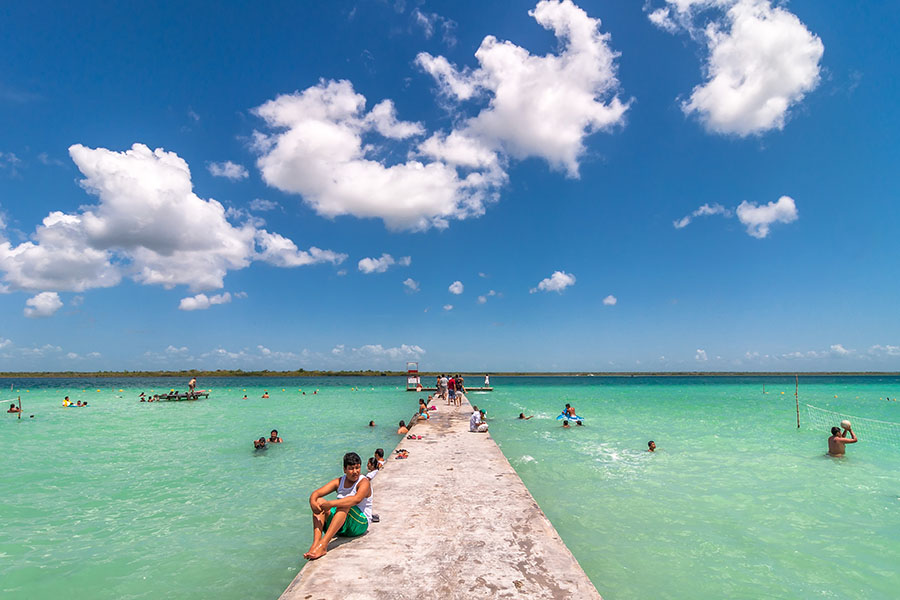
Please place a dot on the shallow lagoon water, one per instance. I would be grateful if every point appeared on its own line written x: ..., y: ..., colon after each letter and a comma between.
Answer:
x: 736, y: 502
x: 135, y: 500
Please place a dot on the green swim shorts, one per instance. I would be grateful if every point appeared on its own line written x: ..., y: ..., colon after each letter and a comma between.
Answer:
x: 355, y: 525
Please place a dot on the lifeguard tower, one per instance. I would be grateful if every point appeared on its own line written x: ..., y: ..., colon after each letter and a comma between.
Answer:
x: 413, y: 382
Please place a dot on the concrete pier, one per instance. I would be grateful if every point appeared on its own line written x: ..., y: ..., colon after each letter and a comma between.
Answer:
x: 456, y: 523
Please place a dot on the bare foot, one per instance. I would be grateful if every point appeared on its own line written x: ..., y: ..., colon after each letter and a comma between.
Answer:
x: 314, y: 554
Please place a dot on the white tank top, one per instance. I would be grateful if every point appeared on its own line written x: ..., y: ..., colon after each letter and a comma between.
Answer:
x: 366, y: 505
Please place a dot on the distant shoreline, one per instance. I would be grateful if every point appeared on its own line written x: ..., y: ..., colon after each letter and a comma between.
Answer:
x: 303, y: 373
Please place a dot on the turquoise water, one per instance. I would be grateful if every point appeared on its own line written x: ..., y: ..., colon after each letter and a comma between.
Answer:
x: 735, y: 503
x: 134, y: 500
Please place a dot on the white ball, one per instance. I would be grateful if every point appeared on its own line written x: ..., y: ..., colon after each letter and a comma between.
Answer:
x: 845, y: 424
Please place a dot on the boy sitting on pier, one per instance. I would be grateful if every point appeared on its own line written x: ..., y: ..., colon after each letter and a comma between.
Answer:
x: 349, y: 514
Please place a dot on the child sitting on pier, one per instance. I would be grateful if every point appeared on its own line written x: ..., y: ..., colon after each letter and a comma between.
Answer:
x: 349, y: 514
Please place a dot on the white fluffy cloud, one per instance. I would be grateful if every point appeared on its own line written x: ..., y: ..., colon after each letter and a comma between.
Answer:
x: 148, y: 224
x: 448, y: 307
x: 762, y: 60
x: 456, y: 288
x: 202, y: 301
x: 322, y: 144
x: 704, y: 211
x: 540, y: 106
x: 757, y: 219
x: 228, y: 170
x: 316, y: 149
x: 411, y: 285
x: 44, y: 304
x: 700, y: 356
x: 380, y: 265
x: 610, y: 300
x: 557, y: 282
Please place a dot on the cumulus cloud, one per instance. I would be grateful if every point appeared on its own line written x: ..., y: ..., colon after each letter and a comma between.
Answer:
x: 202, y: 301
x: 228, y: 170
x: 411, y: 285
x: 703, y: 211
x: 316, y: 149
x: 456, y: 287
x: 323, y: 144
x: 278, y: 250
x: 44, y: 304
x: 761, y: 61
x: 839, y: 350
x: 557, y: 282
x: 700, y: 356
x: 541, y: 106
x: 5, y: 342
x: 148, y: 224
x: 757, y: 219
x: 448, y: 307
x: 610, y: 300
x: 834, y: 351
x: 380, y: 265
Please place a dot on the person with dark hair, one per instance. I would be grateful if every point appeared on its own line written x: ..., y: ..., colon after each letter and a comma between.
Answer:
x: 379, y: 457
x: 259, y: 444
x: 476, y: 421
x: 347, y: 516
x: 402, y: 430
x: 651, y: 446
x: 273, y: 437
x: 12, y: 408
x: 371, y: 423
x: 838, y: 440
x: 524, y: 418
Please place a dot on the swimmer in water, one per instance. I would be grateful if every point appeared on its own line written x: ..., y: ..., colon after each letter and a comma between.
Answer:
x: 838, y: 440
x: 651, y: 446
x: 402, y: 430
x: 13, y: 409
x: 265, y: 394
x: 522, y: 416
x: 273, y: 437
x: 371, y: 423
x: 565, y: 423
x: 259, y: 444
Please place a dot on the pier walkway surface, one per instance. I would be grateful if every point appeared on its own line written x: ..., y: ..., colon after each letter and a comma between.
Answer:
x: 456, y: 523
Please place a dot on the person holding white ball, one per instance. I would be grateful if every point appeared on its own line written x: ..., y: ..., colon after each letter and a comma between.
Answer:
x: 839, y: 439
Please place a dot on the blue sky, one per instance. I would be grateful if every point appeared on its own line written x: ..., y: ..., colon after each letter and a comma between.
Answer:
x: 606, y: 186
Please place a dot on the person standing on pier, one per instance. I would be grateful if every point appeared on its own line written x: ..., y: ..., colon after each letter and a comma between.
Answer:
x: 191, y: 385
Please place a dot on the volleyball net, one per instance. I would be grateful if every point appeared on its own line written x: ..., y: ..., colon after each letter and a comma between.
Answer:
x: 867, y: 430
